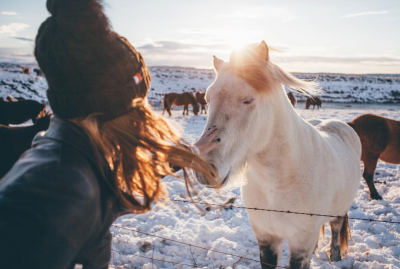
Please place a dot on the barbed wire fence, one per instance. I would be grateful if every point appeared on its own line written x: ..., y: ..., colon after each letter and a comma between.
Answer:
x: 227, y: 206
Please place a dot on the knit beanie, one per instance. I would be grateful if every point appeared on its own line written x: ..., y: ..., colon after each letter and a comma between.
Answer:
x: 88, y: 67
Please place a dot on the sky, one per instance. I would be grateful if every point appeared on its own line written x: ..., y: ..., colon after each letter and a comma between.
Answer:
x: 353, y: 36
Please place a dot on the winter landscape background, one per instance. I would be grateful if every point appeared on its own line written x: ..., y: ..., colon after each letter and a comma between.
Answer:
x: 144, y: 241
x: 337, y: 88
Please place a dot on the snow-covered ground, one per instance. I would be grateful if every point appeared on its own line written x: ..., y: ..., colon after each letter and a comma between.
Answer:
x: 338, y: 88
x: 374, y: 245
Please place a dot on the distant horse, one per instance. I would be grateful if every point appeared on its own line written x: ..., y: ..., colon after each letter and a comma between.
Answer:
x: 380, y: 139
x: 21, y: 111
x: 38, y: 72
x: 296, y: 166
x: 14, y: 141
x: 314, y: 101
x: 180, y: 99
x: 26, y: 70
x: 292, y: 99
x: 200, y: 97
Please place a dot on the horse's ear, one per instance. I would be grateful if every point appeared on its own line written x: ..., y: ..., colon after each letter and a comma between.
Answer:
x: 263, y: 51
x: 217, y: 63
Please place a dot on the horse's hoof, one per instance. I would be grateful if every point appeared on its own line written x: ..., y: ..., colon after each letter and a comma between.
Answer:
x: 334, y: 257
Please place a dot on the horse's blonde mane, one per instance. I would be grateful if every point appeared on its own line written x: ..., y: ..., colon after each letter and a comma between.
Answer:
x: 262, y: 74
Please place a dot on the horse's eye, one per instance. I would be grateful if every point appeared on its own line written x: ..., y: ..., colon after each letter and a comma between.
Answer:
x: 249, y: 101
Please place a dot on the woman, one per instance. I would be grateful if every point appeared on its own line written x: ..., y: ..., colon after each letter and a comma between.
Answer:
x: 104, y: 153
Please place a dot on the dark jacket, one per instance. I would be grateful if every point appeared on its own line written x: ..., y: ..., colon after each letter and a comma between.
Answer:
x: 56, y: 204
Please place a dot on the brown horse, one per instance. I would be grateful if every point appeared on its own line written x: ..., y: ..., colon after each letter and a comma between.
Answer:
x: 38, y: 72
x: 202, y: 100
x: 314, y: 101
x: 20, y: 111
x: 26, y: 70
x: 380, y: 139
x: 180, y: 99
x: 292, y: 99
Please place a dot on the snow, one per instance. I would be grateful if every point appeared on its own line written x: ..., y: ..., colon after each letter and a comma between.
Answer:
x: 374, y: 245
x: 338, y: 88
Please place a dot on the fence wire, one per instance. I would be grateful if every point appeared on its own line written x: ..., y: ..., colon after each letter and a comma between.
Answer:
x: 283, y: 211
x: 230, y: 206
x: 195, y: 246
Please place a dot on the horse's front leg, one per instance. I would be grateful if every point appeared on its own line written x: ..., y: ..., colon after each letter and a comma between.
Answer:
x: 302, y: 246
x: 370, y: 163
x: 186, y: 108
x: 269, y: 251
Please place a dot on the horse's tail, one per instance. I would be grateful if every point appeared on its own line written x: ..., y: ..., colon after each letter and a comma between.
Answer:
x: 344, y: 235
x: 322, y: 233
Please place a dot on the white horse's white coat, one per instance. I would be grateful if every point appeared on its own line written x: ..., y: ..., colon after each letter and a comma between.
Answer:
x: 286, y: 163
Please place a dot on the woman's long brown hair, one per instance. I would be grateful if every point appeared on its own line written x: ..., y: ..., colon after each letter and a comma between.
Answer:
x: 140, y: 148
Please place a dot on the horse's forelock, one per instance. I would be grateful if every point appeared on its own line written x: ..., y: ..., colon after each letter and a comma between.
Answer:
x: 251, y: 69
x: 262, y: 74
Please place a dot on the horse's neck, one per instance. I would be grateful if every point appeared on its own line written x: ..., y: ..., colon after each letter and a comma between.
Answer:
x: 288, y: 131
x: 193, y: 100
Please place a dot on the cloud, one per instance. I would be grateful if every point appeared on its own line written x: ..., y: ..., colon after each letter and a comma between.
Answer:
x: 376, y: 60
x: 27, y: 39
x: 368, y: 13
x: 171, y: 45
x: 274, y: 13
x: 165, y: 46
x: 12, y: 28
x: 239, y: 15
x: 199, y: 55
x: 16, y: 55
x: 22, y: 55
x: 9, y: 13
x: 196, y: 31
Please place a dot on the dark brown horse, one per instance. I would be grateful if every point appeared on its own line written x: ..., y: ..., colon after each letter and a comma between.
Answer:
x: 314, y: 101
x: 180, y: 99
x: 38, y: 72
x: 292, y: 99
x: 14, y: 141
x: 20, y: 111
x: 201, y: 99
x: 380, y: 139
x: 26, y: 70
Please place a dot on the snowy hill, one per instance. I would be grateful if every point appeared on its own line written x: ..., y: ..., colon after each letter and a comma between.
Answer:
x: 338, y: 88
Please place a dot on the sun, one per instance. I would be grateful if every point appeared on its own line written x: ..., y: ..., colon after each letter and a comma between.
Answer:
x: 238, y: 39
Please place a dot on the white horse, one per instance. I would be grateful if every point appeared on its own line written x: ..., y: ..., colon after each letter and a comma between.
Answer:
x: 285, y: 162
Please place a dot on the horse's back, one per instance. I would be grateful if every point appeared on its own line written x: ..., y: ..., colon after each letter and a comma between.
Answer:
x: 373, y: 131
x: 341, y: 135
x: 379, y: 136
x: 169, y: 98
x: 20, y: 111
